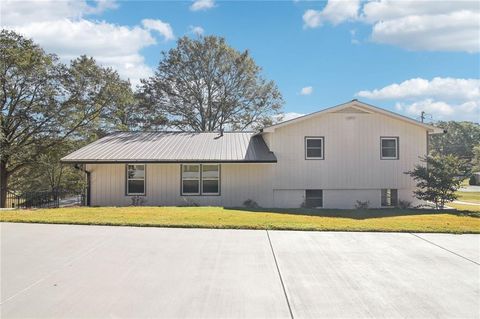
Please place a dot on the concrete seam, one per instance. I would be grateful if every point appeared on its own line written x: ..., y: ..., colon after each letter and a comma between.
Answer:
x: 280, y: 275
x: 452, y: 252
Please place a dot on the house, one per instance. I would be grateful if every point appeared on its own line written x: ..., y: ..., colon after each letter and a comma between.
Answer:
x: 331, y: 158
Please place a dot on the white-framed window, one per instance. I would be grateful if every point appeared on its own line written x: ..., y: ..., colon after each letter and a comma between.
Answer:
x: 313, y: 198
x: 314, y: 147
x: 389, y: 197
x: 191, y: 179
x: 210, y: 179
x: 200, y: 179
x: 389, y: 148
x: 135, y: 179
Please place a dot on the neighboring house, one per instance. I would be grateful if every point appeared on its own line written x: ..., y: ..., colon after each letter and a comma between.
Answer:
x: 331, y: 158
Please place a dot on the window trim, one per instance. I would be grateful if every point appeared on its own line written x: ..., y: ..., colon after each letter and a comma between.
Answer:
x: 200, y: 180
x: 322, y: 138
x: 397, y: 148
x: 127, y: 193
x: 391, y: 204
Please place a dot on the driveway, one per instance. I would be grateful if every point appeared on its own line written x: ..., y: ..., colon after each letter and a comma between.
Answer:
x: 61, y: 271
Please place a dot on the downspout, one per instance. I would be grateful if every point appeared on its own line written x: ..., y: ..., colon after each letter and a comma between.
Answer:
x: 87, y: 176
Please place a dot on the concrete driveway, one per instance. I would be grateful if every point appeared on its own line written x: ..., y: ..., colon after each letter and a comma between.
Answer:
x: 61, y: 271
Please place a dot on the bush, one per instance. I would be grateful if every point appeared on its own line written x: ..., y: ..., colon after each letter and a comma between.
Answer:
x: 362, y: 205
x: 250, y: 203
x: 404, y: 204
x: 472, y: 180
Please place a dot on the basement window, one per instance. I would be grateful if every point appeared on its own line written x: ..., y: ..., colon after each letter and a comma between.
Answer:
x: 136, y: 179
x: 313, y: 198
x: 389, y: 197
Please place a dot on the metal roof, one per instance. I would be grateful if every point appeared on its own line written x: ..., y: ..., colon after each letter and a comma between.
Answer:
x: 173, y: 147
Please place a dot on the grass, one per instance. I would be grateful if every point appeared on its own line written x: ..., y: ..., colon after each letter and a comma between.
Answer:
x: 472, y: 197
x: 392, y: 220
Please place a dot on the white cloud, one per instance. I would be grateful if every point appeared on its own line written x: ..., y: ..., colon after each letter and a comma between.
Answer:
x: 197, y: 30
x: 198, y: 5
x: 439, y: 88
x: 440, y: 110
x: 455, y: 31
x: 306, y: 90
x: 61, y: 27
x: 335, y: 12
x: 442, y: 98
x: 158, y: 25
x: 412, y: 25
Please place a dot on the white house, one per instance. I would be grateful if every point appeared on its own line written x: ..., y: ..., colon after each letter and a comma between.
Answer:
x: 331, y: 158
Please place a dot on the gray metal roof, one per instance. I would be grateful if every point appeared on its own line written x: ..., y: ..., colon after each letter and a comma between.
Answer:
x: 168, y: 147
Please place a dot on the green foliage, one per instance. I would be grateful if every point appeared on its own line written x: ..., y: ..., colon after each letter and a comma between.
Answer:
x: 206, y: 85
x: 460, y: 139
x: 476, y: 159
x: 439, y: 179
x: 44, y: 102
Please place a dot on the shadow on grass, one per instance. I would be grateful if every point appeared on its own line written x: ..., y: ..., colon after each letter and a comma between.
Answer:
x: 355, y: 213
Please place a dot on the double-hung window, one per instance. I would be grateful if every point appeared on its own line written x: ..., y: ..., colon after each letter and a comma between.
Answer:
x: 389, y: 148
x: 200, y: 179
x: 136, y: 179
x: 314, y: 148
x: 210, y: 179
x: 191, y: 179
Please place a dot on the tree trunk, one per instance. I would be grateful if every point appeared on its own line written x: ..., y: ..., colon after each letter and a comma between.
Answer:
x: 3, y: 184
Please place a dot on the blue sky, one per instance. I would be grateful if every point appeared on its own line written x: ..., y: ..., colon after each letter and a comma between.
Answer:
x: 400, y: 55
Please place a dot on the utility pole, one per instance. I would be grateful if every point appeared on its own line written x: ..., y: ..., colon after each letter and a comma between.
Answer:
x: 422, y: 116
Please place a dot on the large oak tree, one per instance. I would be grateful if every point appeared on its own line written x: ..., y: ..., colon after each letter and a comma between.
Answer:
x: 206, y: 85
x: 43, y: 101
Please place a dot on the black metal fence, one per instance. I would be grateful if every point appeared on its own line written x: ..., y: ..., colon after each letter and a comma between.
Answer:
x: 45, y: 199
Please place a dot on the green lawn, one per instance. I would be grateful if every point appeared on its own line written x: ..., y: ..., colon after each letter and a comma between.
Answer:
x: 394, y: 220
x: 473, y: 197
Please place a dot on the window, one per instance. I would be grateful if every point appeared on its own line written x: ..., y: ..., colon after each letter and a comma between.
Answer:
x: 314, y: 147
x: 313, y: 198
x: 191, y: 179
x: 389, y: 197
x: 201, y: 179
x: 210, y: 177
x: 389, y: 147
x: 136, y: 179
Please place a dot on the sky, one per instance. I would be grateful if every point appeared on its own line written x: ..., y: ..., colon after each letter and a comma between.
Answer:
x: 404, y: 56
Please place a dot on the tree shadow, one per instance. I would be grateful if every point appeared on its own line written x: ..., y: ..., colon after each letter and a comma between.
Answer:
x: 359, y: 214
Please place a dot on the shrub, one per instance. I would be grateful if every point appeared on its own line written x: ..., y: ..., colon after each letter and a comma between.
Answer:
x: 472, y: 180
x: 250, y: 203
x: 362, y: 205
x: 404, y: 204
x: 138, y: 200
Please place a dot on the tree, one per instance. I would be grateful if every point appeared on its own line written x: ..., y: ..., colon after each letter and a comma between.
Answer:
x: 44, y: 102
x: 460, y: 139
x: 439, y: 179
x: 476, y: 159
x: 206, y: 85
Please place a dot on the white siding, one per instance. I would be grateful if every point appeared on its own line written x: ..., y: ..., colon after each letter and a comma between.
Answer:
x: 352, y: 169
x: 239, y: 182
x: 352, y: 153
